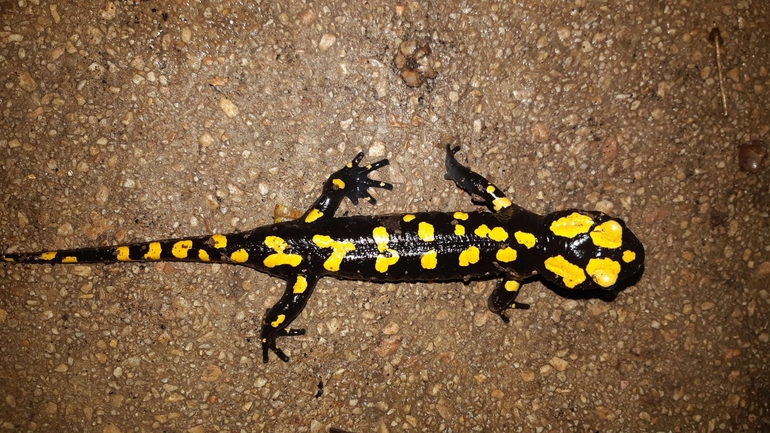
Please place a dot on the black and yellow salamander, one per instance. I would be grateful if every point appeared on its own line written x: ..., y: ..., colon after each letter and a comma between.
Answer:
x: 575, y: 249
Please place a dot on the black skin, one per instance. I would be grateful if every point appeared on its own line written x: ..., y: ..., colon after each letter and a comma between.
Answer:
x: 507, y: 243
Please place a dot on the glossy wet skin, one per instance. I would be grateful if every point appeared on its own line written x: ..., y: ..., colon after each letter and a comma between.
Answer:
x: 575, y: 249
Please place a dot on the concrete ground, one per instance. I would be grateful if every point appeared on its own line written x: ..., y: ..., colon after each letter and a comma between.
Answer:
x: 131, y: 121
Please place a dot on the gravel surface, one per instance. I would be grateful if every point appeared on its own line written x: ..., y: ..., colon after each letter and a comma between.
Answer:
x: 132, y: 121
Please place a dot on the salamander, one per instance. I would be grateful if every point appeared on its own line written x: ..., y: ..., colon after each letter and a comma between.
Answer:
x: 572, y: 248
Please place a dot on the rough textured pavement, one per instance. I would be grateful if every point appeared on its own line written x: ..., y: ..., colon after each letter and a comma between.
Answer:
x: 131, y: 121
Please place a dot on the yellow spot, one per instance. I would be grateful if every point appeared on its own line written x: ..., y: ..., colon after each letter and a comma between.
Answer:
x: 381, y: 238
x: 220, y: 241
x: 300, y: 285
x: 506, y: 255
x: 339, y: 249
x: 500, y: 203
x: 276, y: 243
x: 459, y: 230
x: 338, y: 183
x: 490, y: 189
x: 496, y: 234
x: 604, y: 271
x: 428, y: 260
x: 313, y: 215
x: 481, y: 231
x: 512, y: 286
x: 571, y: 274
x: 8, y: 259
x: 278, y: 320
x: 48, y: 256
x: 572, y: 225
x: 279, y: 257
x: 384, y: 261
x: 408, y: 217
x: 469, y: 256
x: 153, y: 251
x: 425, y: 231
x: 69, y: 259
x: 122, y: 254
x: 526, y: 239
x: 608, y: 234
x: 629, y: 256
x: 349, y: 165
x: 460, y: 216
x: 179, y: 250
x: 239, y: 256
x: 203, y: 255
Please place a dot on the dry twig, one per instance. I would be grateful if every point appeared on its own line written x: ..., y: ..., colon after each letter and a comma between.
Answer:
x: 716, y: 38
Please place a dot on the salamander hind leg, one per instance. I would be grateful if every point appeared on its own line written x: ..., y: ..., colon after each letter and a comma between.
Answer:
x: 278, y: 318
x: 351, y: 181
x: 502, y: 298
x: 480, y: 189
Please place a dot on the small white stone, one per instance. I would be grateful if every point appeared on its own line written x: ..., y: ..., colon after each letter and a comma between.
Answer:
x: 186, y: 35
x: 377, y: 149
x: 327, y: 41
x: 477, y: 126
x: 229, y: 108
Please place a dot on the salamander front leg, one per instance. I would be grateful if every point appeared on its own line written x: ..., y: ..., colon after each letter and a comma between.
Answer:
x: 279, y: 317
x: 502, y: 298
x: 350, y: 181
x: 480, y: 189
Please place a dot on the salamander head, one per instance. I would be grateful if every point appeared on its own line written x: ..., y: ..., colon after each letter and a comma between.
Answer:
x: 585, y: 250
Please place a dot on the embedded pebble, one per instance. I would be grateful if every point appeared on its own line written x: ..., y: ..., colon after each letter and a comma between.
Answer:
x: 333, y: 325
x: 663, y: 89
x: 605, y: 206
x: 751, y: 155
x: 55, y: 13
x: 186, y: 35
x: 206, y: 140
x: 391, y: 328
x: 327, y: 41
x: 377, y: 149
x: 558, y: 363
x: 65, y: 229
x: 211, y: 374
x: 109, y: 12
x: 228, y: 107
x: 388, y: 345
x: 527, y: 376
x: 111, y: 428
x: 539, y: 132
x: 411, y: 77
x: 102, y: 194
x: 26, y: 81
